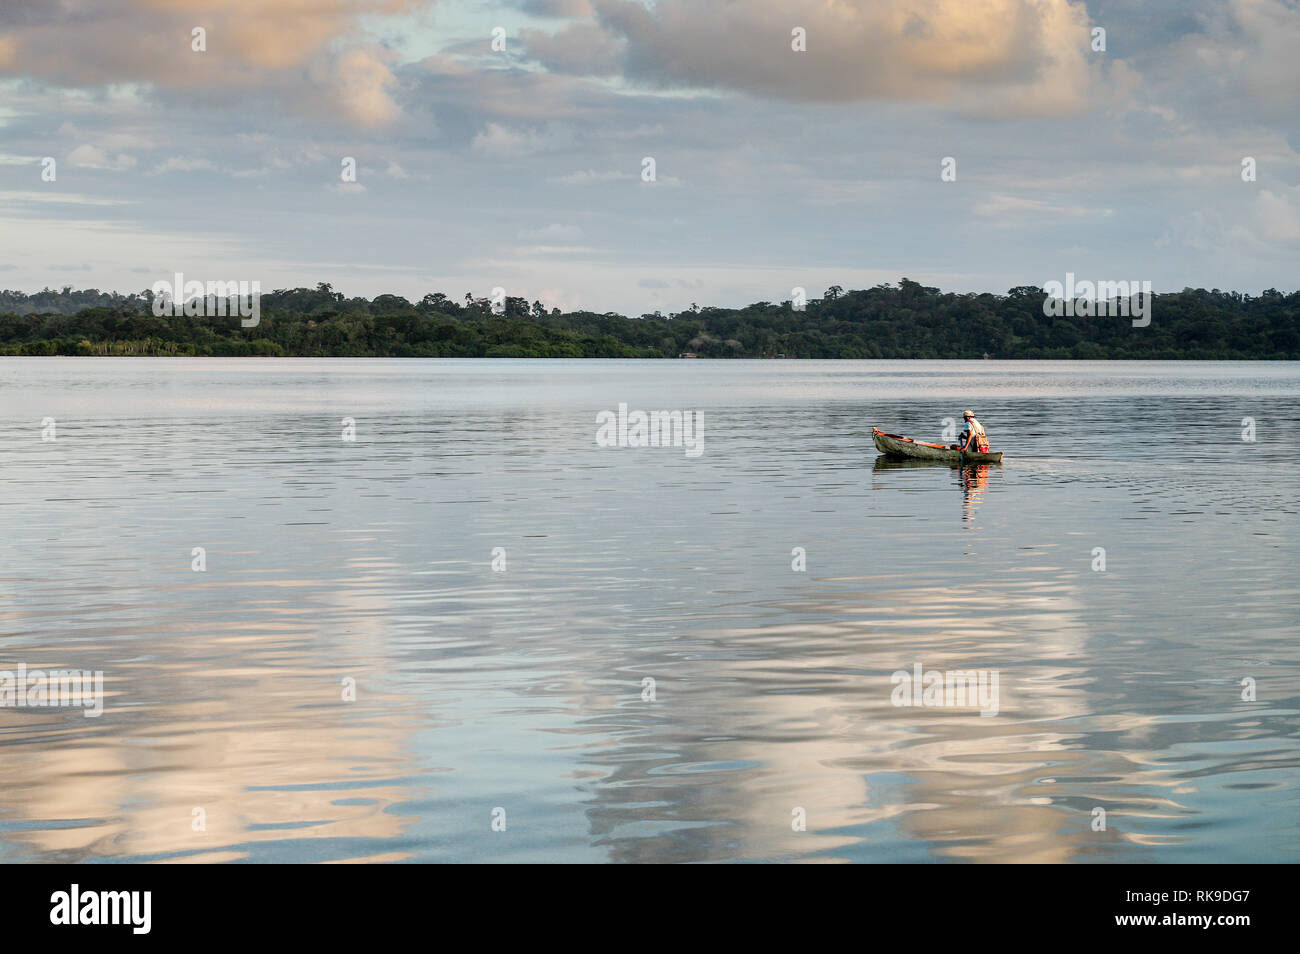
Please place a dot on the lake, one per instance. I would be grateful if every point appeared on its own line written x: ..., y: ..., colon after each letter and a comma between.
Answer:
x: 457, y: 628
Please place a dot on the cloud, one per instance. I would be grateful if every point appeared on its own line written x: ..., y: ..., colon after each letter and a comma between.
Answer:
x: 92, y: 157
x: 1276, y: 216
x: 1003, y: 206
x: 547, y: 249
x: 312, y: 56
x: 1268, y: 226
x: 591, y: 177
x: 552, y: 233
x: 582, y: 48
x: 497, y: 140
x: 111, y: 41
x: 61, y: 198
x: 1019, y: 57
x: 556, y: 8
x: 466, y: 92
x: 182, y: 164
x: 1242, y: 60
x: 364, y: 84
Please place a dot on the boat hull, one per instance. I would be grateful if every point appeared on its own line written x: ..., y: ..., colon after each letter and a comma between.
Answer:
x: 896, y: 445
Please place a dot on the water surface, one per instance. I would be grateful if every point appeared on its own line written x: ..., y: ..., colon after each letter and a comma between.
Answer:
x: 523, y: 689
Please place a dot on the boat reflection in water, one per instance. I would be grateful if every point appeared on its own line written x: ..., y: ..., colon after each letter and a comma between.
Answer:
x: 972, y: 478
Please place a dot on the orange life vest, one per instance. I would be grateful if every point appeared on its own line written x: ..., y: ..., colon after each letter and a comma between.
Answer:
x: 979, y: 441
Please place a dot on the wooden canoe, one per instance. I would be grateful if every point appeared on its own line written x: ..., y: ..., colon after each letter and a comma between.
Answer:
x: 896, y: 445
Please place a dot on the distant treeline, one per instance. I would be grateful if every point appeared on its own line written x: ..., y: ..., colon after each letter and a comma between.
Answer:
x: 907, y: 320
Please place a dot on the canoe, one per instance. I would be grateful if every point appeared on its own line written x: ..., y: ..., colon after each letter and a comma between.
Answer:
x: 896, y: 445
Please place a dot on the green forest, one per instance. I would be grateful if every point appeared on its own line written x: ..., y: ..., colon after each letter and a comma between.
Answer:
x: 904, y: 320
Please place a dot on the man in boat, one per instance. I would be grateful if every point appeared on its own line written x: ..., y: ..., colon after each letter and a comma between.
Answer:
x: 973, y: 438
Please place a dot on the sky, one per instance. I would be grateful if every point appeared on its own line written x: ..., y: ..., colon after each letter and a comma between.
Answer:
x: 524, y: 168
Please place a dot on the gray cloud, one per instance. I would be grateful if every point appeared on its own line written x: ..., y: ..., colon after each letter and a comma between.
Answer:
x: 316, y: 60
x: 556, y: 8
x: 584, y: 49
x: 1014, y: 56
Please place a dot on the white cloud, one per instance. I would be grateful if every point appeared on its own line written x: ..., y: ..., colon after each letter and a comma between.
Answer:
x: 499, y: 141
x: 552, y: 233
x: 92, y: 157
x: 591, y: 176
x: 364, y: 85
x: 182, y: 164
x: 1277, y: 215
x: 61, y: 198
x: 1006, y: 206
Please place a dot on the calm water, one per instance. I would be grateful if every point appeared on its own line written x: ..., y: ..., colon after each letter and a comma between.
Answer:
x: 522, y: 689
